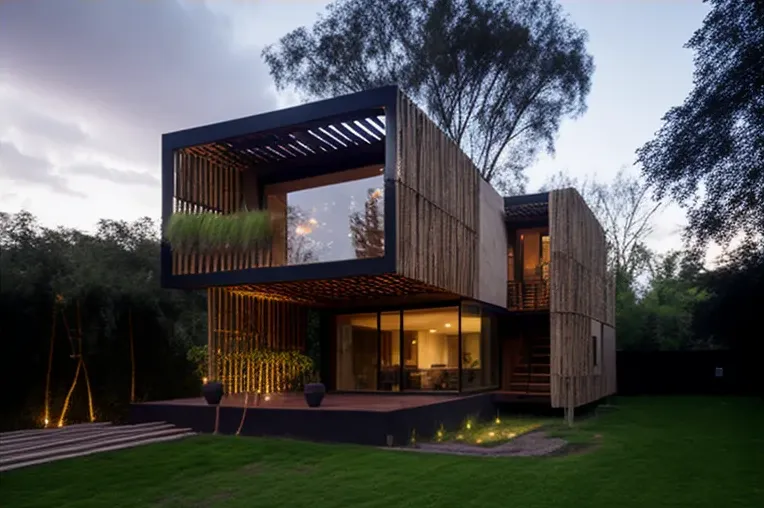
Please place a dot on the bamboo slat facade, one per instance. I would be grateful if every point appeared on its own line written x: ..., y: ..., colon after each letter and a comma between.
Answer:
x: 204, y: 185
x: 437, y: 205
x: 581, y: 302
x: 239, y: 325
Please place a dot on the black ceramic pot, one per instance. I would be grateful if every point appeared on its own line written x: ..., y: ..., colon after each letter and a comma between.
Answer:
x: 212, y: 392
x: 314, y: 394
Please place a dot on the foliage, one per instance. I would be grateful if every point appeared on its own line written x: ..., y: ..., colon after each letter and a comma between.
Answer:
x: 198, y: 356
x: 301, y: 247
x: 702, y: 452
x: 109, y: 274
x: 497, y: 76
x: 709, y: 153
x: 489, y: 433
x: 213, y: 232
x: 368, y: 230
x: 626, y: 212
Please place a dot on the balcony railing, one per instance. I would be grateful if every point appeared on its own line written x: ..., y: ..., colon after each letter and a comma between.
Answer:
x: 525, y: 296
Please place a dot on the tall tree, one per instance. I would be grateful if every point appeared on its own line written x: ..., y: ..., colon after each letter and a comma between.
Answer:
x: 709, y: 153
x: 497, y: 76
x: 626, y: 211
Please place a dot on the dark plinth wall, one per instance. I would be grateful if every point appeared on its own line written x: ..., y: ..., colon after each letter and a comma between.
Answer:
x: 345, y: 426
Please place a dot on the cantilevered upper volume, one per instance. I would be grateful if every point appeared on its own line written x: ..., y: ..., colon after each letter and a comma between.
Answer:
x: 366, y: 195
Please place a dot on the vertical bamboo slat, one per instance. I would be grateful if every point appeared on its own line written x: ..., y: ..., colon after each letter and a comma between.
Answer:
x: 581, y: 300
x: 239, y: 324
x: 203, y: 185
x: 437, y: 205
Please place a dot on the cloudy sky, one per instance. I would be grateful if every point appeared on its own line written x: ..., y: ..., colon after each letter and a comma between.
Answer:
x: 88, y: 87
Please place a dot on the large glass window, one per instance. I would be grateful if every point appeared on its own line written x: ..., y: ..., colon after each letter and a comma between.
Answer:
x: 426, y: 353
x: 357, y: 341
x: 479, y: 348
x: 334, y: 217
x: 431, y: 349
x: 390, y: 351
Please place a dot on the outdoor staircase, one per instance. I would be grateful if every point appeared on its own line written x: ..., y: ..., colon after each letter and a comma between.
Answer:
x: 531, y: 376
x: 37, y: 446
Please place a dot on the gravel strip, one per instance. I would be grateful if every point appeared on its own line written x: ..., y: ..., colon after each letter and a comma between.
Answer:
x: 533, y: 444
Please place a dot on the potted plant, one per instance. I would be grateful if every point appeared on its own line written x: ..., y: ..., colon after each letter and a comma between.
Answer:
x: 213, y: 392
x: 314, y: 390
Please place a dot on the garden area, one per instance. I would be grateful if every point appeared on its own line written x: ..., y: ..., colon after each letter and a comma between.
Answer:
x: 670, y: 451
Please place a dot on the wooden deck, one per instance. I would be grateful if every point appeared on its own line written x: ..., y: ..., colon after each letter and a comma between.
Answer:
x: 331, y: 402
x: 373, y: 419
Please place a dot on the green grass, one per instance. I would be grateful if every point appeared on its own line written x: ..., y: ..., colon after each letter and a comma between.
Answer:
x: 652, y: 452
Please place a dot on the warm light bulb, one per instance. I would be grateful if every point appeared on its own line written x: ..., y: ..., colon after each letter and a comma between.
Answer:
x: 440, y: 433
x: 448, y: 325
x: 433, y: 330
x: 498, y: 420
x: 469, y: 425
x: 313, y: 221
x: 47, y: 421
x: 478, y: 441
x: 267, y: 398
x: 204, y: 380
x: 491, y: 434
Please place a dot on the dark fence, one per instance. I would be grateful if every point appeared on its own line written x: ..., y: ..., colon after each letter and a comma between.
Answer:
x: 686, y: 373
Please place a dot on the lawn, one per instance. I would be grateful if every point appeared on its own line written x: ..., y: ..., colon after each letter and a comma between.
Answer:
x: 650, y: 452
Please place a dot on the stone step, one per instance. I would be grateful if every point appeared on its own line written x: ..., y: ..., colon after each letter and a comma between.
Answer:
x: 77, y: 427
x: 96, y: 442
x: 81, y: 437
x: 113, y: 447
x: 59, y: 434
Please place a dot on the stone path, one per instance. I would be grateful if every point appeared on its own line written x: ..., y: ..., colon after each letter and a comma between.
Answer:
x: 37, y: 446
x: 527, y: 445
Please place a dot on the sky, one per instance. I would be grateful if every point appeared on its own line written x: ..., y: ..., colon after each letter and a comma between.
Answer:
x: 88, y: 87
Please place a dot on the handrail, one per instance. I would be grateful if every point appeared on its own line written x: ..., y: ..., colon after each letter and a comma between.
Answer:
x: 524, y: 296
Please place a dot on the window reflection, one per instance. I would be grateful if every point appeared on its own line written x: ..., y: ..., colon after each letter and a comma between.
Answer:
x: 390, y: 351
x: 357, y: 352
x: 330, y: 218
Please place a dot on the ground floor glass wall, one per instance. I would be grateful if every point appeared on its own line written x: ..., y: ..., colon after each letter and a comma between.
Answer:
x: 434, y: 349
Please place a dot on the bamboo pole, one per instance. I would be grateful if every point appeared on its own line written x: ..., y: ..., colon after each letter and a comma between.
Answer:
x: 132, y: 355
x: 46, y: 420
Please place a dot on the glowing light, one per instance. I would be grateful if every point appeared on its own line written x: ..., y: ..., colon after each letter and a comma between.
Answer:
x: 204, y: 380
x: 459, y: 436
x: 478, y: 441
x: 47, y: 422
x: 302, y: 230
x: 377, y: 193
x: 267, y: 398
x: 413, y: 341
x: 448, y: 325
x: 433, y: 330
x: 491, y: 434
x: 498, y: 420
x: 60, y: 424
x: 312, y: 221
x: 512, y: 434
x: 440, y: 433
x: 469, y: 425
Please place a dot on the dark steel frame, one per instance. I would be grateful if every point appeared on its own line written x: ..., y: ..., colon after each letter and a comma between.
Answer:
x: 385, y: 99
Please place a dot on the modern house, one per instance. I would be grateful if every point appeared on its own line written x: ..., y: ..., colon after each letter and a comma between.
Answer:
x: 425, y: 278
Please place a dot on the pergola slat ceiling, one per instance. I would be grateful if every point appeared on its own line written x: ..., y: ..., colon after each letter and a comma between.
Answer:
x: 334, y: 291
x: 526, y: 210
x: 291, y: 144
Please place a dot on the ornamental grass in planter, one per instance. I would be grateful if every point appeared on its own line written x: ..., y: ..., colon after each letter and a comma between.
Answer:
x: 209, y: 232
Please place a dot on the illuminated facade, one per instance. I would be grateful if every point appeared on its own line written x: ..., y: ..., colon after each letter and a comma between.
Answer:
x: 425, y: 278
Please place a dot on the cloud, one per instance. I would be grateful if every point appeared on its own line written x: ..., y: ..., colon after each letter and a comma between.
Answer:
x: 113, y: 175
x: 23, y: 168
x: 133, y: 69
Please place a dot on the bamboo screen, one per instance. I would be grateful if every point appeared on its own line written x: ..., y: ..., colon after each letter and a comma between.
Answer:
x: 205, y: 185
x: 580, y: 292
x: 437, y: 198
x: 240, y: 325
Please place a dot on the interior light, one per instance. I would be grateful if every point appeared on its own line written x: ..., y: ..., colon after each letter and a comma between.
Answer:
x: 204, y: 380
x: 448, y: 325
x: 313, y: 221
x: 413, y: 342
x: 433, y: 330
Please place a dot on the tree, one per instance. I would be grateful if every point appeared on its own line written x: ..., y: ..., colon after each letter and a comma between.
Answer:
x: 496, y: 75
x: 709, y: 153
x: 368, y: 230
x: 626, y: 212
x: 301, y: 248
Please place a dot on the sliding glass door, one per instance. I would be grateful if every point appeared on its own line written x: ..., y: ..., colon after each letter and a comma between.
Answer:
x: 418, y: 350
